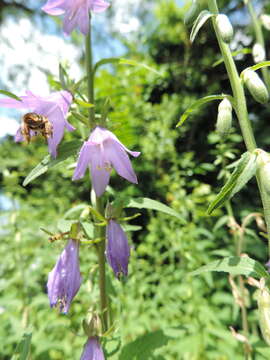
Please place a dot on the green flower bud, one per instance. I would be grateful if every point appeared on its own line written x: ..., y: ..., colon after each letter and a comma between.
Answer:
x: 256, y: 86
x: 224, y: 119
x: 192, y: 13
x: 224, y: 27
x: 263, y: 299
x: 263, y: 162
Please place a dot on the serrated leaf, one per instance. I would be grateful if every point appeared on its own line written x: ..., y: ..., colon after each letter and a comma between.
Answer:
x: 199, y: 22
x: 65, y: 150
x: 146, y: 203
x: 199, y: 103
x: 122, y: 61
x: 235, y: 265
x: 144, y: 346
x: 9, y: 94
x: 234, y: 53
x: 243, y: 172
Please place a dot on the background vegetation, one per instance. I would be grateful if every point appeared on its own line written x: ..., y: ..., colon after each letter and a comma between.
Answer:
x: 181, y: 167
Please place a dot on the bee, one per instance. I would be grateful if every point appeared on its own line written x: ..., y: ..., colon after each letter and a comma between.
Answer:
x: 39, y: 124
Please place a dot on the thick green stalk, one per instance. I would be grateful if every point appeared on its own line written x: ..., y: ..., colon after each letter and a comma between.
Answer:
x: 241, y: 110
x: 99, y: 204
x: 90, y: 76
x: 259, y: 38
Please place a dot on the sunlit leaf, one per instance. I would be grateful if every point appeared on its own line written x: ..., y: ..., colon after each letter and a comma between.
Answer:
x: 234, y: 53
x: 9, y: 94
x: 199, y: 22
x: 235, y: 265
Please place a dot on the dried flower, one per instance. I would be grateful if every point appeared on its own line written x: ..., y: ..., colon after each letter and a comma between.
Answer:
x: 54, y: 108
x: 101, y: 152
x: 64, y: 280
x: 92, y: 350
x: 117, y: 250
x: 76, y: 12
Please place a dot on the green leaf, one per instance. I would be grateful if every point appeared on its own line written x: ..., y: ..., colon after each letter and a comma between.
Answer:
x: 242, y: 173
x: 84, y: 103
x: 199, y: 22
x: 144, y: 346
x: 235, y: 265
x: 23, y: 348
x: 122, y: 61
x: 65, y: 150
x: 146, y: 203
x: 257, y: 66
x: 80, y: 117
x: 9, y: 94
x: 63, y: 76
x: 234, y: 53
x: 88, y: 229
x: 201, y: 102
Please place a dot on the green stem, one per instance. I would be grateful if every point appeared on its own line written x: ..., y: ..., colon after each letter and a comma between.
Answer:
x: 241, y: 110
x: 259, y: 37
x: 90, y: 76
x: 99, y: 204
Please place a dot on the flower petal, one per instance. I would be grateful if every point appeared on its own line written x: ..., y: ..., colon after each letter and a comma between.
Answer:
x: 120, y: 160
x: 83, y: 161
x: 92, y: 350
x: 53, y: 7
x: 100, y: 170
x: 98, y: 6
x: 57, y: 120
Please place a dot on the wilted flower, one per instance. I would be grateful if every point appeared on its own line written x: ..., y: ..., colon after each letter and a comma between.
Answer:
x: 64, y: 280
x: 92, y: 350
x: 53, y: 108
x: 117, y: 250
x: 101, y: 152
x: 76, y: 12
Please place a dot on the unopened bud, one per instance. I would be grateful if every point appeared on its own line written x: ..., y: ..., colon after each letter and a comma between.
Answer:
x: 224, y: 119
x: 258, y: 53
x: 224, y: 27
x: 256, y: 86
x: 192, y: 13
x: 266, y: 21
x: 263, y: 299
x: 263, y: 162
x: 92, y: 326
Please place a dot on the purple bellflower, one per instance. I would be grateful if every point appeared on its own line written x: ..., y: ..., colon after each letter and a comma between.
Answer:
x: 64, y: 280
x: 92, y: 350
x: 76, y: 12
x: 53, y: 108
x: 117, y: 249
x: 100, y: 153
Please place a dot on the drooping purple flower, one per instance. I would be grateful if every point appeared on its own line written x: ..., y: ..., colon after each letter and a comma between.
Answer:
x: 76, y: 12
x: 64, y: 280
x: 117, y: 249
x: 102, y: 152
x: 92, y: 350
x: 53, y: 107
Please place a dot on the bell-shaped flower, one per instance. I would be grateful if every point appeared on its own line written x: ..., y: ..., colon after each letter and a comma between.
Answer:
x: 65, y: 279
x: 102, y: 152
x: 76, y: 12
x: 92, y: 350
x: 52, y: 108
x: 117, y: 248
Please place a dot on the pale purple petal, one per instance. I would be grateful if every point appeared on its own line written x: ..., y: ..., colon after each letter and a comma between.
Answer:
x: 70, y: 22
x: 83, y: 161
x: 83, y: 19
x: 18, y: 136
x: 62, y: 98
x: 53, y: 7
x: 120, y: 160
x: 64, y: 280
x: 12, y: 103
x: 98, y: 5
x: 92, y: 350
x: 100, y: 170
x: 117, y: 249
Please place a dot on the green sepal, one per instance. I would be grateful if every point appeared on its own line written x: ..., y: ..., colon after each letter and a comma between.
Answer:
x: 199, y: 22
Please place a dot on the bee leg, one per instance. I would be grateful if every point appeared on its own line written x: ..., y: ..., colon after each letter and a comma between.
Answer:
x: 25, y: 132
x: 48, y: 129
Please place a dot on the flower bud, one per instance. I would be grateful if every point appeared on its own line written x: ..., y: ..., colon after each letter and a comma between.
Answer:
x: 266, y: 21
x: 263, y: 299
x: 224, y: 27
x: 263, y: 162
x: 258, y: 53
x: 224, y: 119
x: 256, y: 86
x: 192, y: 13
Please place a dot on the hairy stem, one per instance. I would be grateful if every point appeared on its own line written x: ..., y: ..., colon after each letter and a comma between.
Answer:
x: 241, y: 111
x: 100, y: 231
